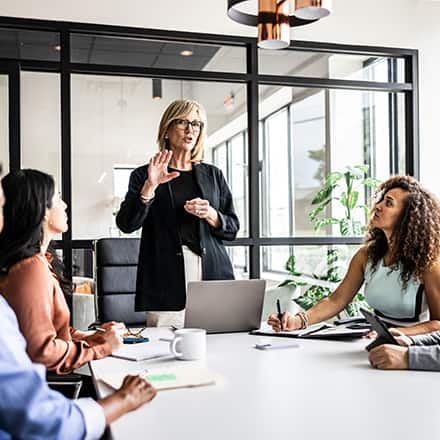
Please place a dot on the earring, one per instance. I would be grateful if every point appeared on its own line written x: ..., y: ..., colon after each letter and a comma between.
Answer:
x: 166, y: 136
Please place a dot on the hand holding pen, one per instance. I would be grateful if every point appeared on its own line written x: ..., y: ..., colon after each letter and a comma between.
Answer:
x: 280, y: 314
x: 282, y: 321
x: 108, y: 332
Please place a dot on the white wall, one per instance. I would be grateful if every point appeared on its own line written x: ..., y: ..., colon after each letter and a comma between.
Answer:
x: 399, y: 23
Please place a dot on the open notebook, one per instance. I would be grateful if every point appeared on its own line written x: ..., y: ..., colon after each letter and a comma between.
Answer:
x: 321, y: 330
x: 143, y: 351
x: 167, y: 378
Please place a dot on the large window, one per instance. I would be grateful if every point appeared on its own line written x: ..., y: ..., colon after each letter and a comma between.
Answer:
x: 4, y: 118
x: 114, y: 129
x: 82, y: 108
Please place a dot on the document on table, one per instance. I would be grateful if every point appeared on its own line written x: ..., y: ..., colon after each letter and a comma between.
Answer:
x: 168, y: 377
x: 142, y: 351
x: 320, y: 330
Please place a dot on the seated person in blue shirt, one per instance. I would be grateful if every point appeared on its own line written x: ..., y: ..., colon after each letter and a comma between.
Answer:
x: 420, y: 352
x: 399, y: 264
x: 29, y: 409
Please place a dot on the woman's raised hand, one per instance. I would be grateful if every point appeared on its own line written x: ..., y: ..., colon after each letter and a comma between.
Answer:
x: 158, y: 169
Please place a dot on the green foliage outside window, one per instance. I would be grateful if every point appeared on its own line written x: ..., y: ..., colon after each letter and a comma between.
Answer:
x: 343, y: 188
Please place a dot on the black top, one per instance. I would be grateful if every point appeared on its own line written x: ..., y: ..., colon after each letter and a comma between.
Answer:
x: 160, y: 283
x: 184, y: 188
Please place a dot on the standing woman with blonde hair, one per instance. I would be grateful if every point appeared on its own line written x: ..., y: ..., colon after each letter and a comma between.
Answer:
x: 185, y: 210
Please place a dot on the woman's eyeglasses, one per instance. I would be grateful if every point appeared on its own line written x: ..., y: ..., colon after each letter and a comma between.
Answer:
x: 184, y: 124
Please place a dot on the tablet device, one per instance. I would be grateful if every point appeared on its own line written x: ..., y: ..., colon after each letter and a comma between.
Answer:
x: 383, y: 334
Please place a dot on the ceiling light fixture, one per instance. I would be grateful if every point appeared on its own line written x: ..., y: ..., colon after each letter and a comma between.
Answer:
x: 273, y: 19
x: 157, y: 88
x: 186, y: 53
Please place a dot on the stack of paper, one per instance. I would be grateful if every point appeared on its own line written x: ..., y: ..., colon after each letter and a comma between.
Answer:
x: 168, y: 377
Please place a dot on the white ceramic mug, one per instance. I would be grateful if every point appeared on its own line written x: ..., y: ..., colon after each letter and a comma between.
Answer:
x: 189, y: 344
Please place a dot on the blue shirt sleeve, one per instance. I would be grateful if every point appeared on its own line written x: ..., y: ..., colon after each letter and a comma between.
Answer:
x: 28, y: 407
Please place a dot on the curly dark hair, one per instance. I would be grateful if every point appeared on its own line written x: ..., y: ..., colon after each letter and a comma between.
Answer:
x: 416, y: 237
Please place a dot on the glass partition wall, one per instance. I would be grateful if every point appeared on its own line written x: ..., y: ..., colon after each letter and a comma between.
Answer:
x: 79, y: 101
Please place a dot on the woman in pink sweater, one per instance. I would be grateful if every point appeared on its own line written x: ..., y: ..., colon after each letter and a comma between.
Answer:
x: 31, y: 277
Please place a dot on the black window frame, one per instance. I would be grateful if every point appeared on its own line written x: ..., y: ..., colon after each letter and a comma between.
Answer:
x: 251, y: 78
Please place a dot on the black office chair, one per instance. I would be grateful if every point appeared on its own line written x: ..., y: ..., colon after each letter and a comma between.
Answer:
x: 67, y: 384
x: 116, y: 265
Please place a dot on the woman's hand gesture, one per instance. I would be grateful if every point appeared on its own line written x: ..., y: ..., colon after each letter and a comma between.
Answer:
x: 158, y: 168
x: 158, y: 173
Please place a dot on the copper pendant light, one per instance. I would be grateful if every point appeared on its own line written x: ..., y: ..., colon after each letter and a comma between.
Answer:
x: 273, y: 24
x: 273, y: 19
x: 312, y: 9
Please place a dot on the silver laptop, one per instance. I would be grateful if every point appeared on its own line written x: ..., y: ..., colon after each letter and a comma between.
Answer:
x: 225, y: 306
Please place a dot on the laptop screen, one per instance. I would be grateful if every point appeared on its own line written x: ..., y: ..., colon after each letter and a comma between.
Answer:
x: 225, y: 306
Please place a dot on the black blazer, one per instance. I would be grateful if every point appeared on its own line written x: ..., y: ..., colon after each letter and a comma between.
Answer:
x: 160, y: 281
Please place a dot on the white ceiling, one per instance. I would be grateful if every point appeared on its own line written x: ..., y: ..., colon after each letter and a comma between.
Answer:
x: 352, y: 21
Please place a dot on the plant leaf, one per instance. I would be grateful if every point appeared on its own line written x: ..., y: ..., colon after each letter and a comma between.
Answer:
x: 320, y: 223
x: 291, y: 283
x: 333, y: 178
x: 363, y: 168
x: 353, y: 199
x: 323, y: 194
x: 290, y: 266
x: 344, y: 226
x: 371, y: 182
x: 332, y: 256
x: 313, y: 214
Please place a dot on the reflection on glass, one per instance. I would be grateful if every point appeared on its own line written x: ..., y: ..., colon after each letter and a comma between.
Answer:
x: 220, y: 158
x: 240, y: 261
x: 93, y: 49
x: 308, y: 122
x: 114, y: 129
x: 310, y: 261
x: 29, y: 45
x: 41, y: 123
x: 329, y: 130
x: 238, y: 180
x: 334, y: 66
x: 4, y: 123
x: 276, y: 176
x: 82, y: 263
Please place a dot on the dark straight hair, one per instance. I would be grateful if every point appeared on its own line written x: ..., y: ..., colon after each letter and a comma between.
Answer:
x: 28, y: 194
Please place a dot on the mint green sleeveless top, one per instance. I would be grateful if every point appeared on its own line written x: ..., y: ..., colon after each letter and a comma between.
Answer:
x: 384, y: 292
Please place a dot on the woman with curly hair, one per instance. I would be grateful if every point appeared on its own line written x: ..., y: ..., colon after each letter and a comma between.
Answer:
x: 399, y: 264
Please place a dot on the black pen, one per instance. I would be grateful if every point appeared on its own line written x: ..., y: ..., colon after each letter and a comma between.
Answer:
x: 280, y: 314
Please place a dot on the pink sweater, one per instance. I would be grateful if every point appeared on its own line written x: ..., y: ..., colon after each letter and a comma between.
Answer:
x: 34, y: 293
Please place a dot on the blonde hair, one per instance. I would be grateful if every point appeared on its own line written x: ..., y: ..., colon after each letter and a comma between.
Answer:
x: 180, y: 109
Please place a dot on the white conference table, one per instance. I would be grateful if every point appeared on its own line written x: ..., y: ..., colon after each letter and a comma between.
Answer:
x: 321, y: 390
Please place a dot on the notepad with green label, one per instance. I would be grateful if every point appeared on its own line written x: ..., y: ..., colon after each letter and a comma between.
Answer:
x: 321, y: 330
x: 167, y: 378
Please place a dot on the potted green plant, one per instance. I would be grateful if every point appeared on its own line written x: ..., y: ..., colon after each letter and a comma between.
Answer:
x: 343, y: 188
